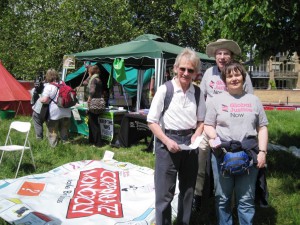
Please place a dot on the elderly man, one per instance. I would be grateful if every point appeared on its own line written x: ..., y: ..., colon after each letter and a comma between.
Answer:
x: 211, y: 84
x: 180, y: 123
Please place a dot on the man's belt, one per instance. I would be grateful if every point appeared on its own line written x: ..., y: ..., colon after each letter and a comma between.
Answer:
x: 180, y: 132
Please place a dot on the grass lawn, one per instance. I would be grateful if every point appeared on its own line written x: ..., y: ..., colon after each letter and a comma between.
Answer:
x: 283, y: 174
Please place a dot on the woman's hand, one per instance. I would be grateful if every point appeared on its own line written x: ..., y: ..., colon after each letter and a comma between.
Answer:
x: 261, y: 159
x: 214, y: 142
x: 262, y: 145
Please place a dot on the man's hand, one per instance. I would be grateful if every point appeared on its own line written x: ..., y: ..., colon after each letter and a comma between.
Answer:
x: 172, y: 146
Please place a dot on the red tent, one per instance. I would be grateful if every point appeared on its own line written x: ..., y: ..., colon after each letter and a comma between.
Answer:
x: 13, y: 96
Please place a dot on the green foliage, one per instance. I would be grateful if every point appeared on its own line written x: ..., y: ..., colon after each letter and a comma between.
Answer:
x: 161, y: 18
x: 273, y: 26
x: 36, y: 34
x: 272, y: 84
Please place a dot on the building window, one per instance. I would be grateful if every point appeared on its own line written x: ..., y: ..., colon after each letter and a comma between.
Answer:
x: 276, y: 67
x: 291, y: 67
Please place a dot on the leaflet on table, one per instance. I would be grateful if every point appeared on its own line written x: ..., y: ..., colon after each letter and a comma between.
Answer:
x: 192, y: 146
x: 81, y: 106
x: 76, y: 114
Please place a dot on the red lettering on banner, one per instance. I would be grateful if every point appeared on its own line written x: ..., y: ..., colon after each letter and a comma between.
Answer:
x: 97, y: 192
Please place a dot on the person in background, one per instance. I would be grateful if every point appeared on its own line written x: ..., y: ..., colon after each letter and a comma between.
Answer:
x: 149, y: 90
x: 221, y: 121
x: 212, y: 84
x: 59, y: 120
x: 86, y: 81
x: 148, y: 93
x: 95, y: 90
x: 152, y: 88
x: 224, y: 51
x: 167, y: 76
x: 103, y: 78
x: 197, y: 79
x: 36, y: 107
x: 181, y: 123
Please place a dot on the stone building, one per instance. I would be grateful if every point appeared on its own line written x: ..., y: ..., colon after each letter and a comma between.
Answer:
x: 279, y: 72
x: 277, y: 80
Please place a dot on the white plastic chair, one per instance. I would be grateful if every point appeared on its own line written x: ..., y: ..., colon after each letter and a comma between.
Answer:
x: 10, y: 146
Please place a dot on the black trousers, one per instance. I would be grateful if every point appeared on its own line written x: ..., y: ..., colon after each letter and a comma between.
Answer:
x: 169, y: 167
x: 94, y: 129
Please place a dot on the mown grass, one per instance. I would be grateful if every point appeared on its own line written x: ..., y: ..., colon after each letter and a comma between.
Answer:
x: 284, y: 127
x: 283, y: 174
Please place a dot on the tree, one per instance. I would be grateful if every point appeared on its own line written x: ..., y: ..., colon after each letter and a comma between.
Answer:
x: 273, y: 26
x: 35, y: 34
x: 162, y: 18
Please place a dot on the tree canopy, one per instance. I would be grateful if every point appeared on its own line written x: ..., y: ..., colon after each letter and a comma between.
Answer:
x: 271, y: 26
x: 35, y: 34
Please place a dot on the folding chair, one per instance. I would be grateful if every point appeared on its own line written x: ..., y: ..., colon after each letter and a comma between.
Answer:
x: 10, y: 146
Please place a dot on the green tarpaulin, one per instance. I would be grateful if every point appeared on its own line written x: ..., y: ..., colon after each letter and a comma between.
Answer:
x: 79, y: 72
x: 144, y: 52
x: 129, y: 84
x: 138, y: 53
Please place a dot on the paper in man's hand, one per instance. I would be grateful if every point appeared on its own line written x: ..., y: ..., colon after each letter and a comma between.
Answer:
x: 192, y: 146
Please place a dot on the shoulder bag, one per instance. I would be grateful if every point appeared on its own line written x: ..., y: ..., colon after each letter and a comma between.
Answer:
x: 45, y: 112
x: 96, y: 105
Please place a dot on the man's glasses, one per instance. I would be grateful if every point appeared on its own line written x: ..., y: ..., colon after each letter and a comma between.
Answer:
x: 183, y: 69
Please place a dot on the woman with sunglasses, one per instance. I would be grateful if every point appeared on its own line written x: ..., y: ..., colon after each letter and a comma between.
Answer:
x: 181, y: 123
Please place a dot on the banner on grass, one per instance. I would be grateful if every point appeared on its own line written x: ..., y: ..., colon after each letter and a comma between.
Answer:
x: 84, y: 192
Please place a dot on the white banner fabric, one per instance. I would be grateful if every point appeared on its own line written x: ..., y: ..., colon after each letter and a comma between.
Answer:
x: 89, y: 192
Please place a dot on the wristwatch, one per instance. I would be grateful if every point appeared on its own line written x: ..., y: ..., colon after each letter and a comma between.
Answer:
x: 264, y: 151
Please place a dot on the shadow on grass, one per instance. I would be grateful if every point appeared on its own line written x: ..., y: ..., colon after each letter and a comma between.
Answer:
x: 285, y: 166
x: 79, y: 139
x: 286, y: 139
x: 265, y: 216
x: 283, y: 162
x: 282, y: 165
x: 28, y: 168
x: 207, y: 215
x: 25, y: 169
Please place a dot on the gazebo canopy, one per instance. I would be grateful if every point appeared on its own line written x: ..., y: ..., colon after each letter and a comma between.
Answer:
x: 144, y: 52
x: 138, y: 53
